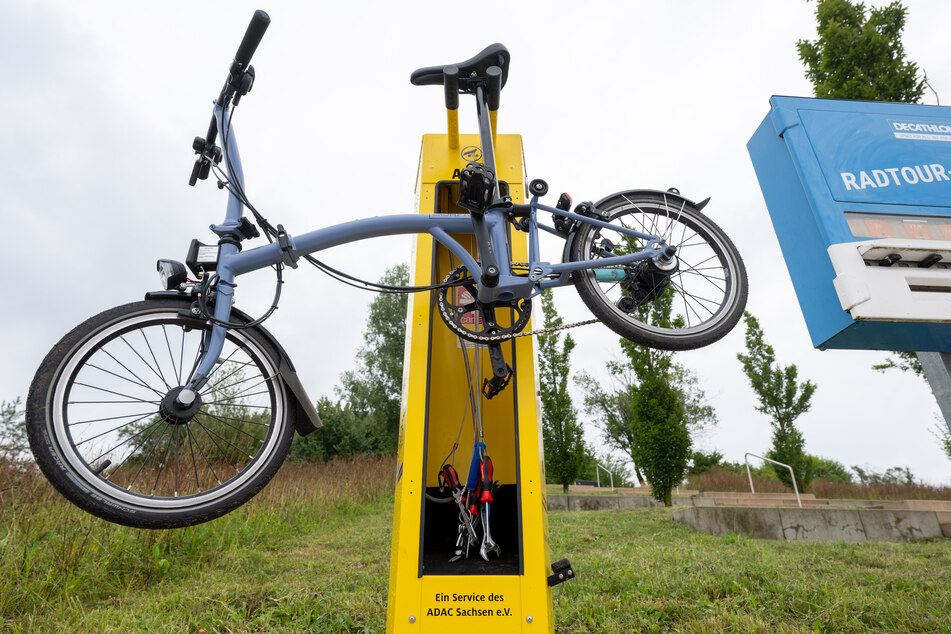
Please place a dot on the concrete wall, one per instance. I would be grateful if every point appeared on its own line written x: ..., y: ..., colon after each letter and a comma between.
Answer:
x: 602, y: 502
x: 813, y: 524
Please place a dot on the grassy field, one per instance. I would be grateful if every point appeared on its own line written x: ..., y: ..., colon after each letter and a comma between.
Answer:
x: 311, y: 553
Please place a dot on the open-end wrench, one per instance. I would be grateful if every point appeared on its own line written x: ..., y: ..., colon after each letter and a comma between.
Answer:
x: 488, y: 546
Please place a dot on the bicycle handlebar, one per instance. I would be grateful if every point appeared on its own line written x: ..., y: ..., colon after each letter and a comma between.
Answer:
x: 252, y: 37
x: 239, y: 81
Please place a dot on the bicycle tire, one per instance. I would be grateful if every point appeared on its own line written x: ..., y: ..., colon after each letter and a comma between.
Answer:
x: 707, y: 293
x: 126, y: 358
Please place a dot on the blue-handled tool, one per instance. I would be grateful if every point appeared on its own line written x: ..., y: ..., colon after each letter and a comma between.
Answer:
x: 478, y: 450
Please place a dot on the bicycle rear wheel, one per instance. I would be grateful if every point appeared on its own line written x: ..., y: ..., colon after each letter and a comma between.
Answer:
x: 104, y: 431
x: 691, y: 306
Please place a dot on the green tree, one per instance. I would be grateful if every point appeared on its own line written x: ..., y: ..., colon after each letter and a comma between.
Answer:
x: 374, y: 388
x: 616, y: 466
x: 565, y: 450
x: 343, y: 434
x: 828, y: 469
x: 783, y: 398
x: 859, y: 54
x: 893, y: 475
x: 943, y: 434
x: 14, y: 446
x: 702, y: 461
x: 656, y: 404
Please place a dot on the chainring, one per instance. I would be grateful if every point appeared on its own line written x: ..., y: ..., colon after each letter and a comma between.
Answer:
x: 472, y: 320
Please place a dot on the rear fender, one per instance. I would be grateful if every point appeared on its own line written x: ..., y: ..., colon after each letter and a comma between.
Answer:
x: 569, y: 241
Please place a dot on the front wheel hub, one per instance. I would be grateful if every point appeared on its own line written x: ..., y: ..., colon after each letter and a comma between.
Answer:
x: 178, y: 411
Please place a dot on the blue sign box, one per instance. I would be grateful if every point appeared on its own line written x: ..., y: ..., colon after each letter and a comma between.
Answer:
x: 859, y: 194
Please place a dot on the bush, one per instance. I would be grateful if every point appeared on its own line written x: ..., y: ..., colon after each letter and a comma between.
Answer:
x: 828, y: 469
x: 701, y: 462
x: 344, y: 434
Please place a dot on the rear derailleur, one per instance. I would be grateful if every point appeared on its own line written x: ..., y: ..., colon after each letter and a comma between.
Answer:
x: 648, y: 280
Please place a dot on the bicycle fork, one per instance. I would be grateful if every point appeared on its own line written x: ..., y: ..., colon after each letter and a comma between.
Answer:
x: 213, y: 341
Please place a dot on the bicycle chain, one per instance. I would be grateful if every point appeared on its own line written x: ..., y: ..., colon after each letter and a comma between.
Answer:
x: 488, y: 339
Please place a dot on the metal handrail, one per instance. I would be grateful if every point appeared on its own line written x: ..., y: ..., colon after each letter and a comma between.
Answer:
x: 598, y: 474
x: 781, y: 464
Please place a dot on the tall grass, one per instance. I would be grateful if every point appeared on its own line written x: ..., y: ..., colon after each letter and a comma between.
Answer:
x: 723, y: 480
x: 54, y: 555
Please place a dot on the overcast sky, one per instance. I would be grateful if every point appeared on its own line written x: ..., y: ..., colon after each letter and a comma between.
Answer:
x: 101, y: 101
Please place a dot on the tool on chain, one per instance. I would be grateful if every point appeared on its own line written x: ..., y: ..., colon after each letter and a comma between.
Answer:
x: 485, y: 471
x: 467, y: 534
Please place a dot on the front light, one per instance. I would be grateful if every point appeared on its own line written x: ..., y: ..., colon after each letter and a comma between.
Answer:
x: 172, y: 273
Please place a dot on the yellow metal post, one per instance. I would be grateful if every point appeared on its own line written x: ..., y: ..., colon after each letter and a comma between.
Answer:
x: 452, y: 120
x: 427, y: 593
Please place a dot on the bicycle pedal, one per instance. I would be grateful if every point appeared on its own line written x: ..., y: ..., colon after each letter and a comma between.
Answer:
x: 495, y: 385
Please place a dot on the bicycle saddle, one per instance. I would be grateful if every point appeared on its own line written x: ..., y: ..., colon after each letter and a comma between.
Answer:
x: 494, y: 55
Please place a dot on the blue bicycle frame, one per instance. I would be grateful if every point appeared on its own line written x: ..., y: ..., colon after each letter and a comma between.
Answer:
x: 541, y: 275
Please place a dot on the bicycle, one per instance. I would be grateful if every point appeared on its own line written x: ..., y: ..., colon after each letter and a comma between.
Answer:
x: 177, y: 409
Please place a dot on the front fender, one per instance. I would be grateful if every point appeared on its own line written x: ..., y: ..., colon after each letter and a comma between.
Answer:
x: 306, y: 419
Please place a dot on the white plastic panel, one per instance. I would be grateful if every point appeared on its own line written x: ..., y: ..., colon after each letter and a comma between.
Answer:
x: 903, y: 291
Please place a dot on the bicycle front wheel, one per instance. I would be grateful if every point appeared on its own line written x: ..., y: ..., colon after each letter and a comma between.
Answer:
x: 104, y: 431
x: 687, y: 307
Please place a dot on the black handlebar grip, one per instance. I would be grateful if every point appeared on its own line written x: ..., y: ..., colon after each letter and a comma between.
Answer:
x: 252, y: 37
x: 450, y: 83
x: 494, y: 92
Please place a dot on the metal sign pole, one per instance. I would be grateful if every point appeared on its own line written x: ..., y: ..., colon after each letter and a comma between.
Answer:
x: 937, y: 367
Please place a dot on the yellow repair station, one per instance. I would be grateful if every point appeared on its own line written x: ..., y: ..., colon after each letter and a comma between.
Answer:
x: 442, y: 579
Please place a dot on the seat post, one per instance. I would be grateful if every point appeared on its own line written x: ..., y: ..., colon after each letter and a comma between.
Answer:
x: 451, y: 87
x: 486, y: 136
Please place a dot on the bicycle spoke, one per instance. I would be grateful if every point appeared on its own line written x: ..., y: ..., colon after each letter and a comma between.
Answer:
x: 245, y: 392
x: 151, y: 429
x: 145, y: 460
x: 103, y: 402
x: 152, y: 352
x: 708, y: 278
x: 217, y: 446
x: 102, y: 389
x: 99, y: 420
x: 178, y: 436
x: 241, y: 420
x: 128, y: 370
x: 240, y: 450
x: 688, y: 307
x: 222, y: 363
x: 684, y: 245
x: 250, y: 378
x: 168, y: 447
x: 238, y: 429
x: 712, y: 280
x: 227, y: 403
x: 181, y: 360
x: 112, y: 430
x: 168, y: 346
x: 119, y: 376
x: 194, y: 462
x: 674, y: 220
x: 136, y: 352
x: 696, y: 301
